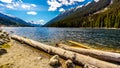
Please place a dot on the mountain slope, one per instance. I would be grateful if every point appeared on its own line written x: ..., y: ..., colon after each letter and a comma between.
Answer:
x: 88, y: 16
x: 8, y: 20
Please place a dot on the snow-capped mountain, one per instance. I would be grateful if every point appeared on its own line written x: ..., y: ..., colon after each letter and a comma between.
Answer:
x: 78, y: 12
x: 9, y: 20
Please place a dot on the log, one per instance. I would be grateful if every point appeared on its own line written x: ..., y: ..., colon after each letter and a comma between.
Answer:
x: 75, y: 57
x: 103, y: 55
x: 78, y: 44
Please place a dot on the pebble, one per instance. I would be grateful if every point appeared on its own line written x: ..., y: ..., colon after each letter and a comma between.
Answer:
x: 54, y: 61
x: 89, y: 66
x: 39, y: 58
x: 3, y: 51
x: 69, y: 64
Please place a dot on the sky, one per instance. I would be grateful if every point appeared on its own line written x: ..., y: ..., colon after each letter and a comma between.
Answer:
x: 39, y: 11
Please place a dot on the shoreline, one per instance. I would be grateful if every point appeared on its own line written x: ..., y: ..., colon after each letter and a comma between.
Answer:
x: 20, y: 52
x: 75, y: 57
x: 24, y: 56
x: 67, y: 27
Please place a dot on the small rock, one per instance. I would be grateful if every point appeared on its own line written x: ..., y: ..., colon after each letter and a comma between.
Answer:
x: 5, y: 33
x: 2, y: 35
x: 2, y: 41
x: 6, y: 40
x: 3, y: 51
x: 11, y: 32
x: 0, y: 30
x: 54, y: 61
x: 89, y: 66
x: 39, y: 58
x: 69, y: 64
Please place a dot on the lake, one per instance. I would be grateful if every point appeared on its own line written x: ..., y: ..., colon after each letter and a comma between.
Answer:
x: 94, y: 37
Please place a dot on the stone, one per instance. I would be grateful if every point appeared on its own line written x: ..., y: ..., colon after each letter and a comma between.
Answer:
x: 3, y: 51
x: 69, y: 64
x: 0, y: 30
x: 89, y: 66
x: 39, y: 58
x: 11, y: 32
x: 2, y: 41
x: 54, y: 61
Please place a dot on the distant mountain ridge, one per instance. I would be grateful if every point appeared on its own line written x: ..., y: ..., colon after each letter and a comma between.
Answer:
x: 86, y: 16
x: 9, y: 20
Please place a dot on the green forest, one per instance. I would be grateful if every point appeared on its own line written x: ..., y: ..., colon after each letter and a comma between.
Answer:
x: 109, y: 18
x: 86, y: 16
x: 6, y: 22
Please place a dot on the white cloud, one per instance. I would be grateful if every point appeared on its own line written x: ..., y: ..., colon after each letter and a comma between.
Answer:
x: 21, y: 6
x: 9, y: 6
x: 61, y: 10
x: 55, y: 4
x: 25, y: 6
x: 33, y: 5
x: 32, y: 13
x: 1, y: 5
x: 6, y: 1
x: 18, y: 5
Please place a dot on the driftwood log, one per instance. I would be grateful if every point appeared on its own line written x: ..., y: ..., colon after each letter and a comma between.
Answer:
x: 78, y: 44
x: 75, y: 57
x: 103, y: 55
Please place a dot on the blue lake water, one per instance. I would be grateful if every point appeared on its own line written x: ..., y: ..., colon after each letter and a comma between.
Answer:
x: 102, y: 37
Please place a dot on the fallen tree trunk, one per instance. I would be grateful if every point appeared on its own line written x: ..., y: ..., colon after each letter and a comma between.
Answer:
x: 75, y: 57
x: 109, y: 56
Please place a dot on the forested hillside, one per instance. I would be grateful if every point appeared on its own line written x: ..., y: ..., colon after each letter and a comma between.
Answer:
x: 9, y: 20
x: 6, y: 22
x: 101, y: 14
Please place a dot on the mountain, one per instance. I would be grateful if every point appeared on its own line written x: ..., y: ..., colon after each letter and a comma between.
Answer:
x: 9, y: 20
x: 104, y: 13
x: 32, y: 23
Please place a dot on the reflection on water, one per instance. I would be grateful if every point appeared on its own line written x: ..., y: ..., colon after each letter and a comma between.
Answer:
x: 103, y: 37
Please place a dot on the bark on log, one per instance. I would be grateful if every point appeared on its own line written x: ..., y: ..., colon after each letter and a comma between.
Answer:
x: 75, y: 57
x: 103, y: 55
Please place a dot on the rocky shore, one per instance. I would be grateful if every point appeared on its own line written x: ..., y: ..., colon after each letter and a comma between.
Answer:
x: 21, y: 52
x: 14, y: 54
x: 4, y: 37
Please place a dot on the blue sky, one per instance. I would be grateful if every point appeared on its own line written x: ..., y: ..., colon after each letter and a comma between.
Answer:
x: 39, y: 11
